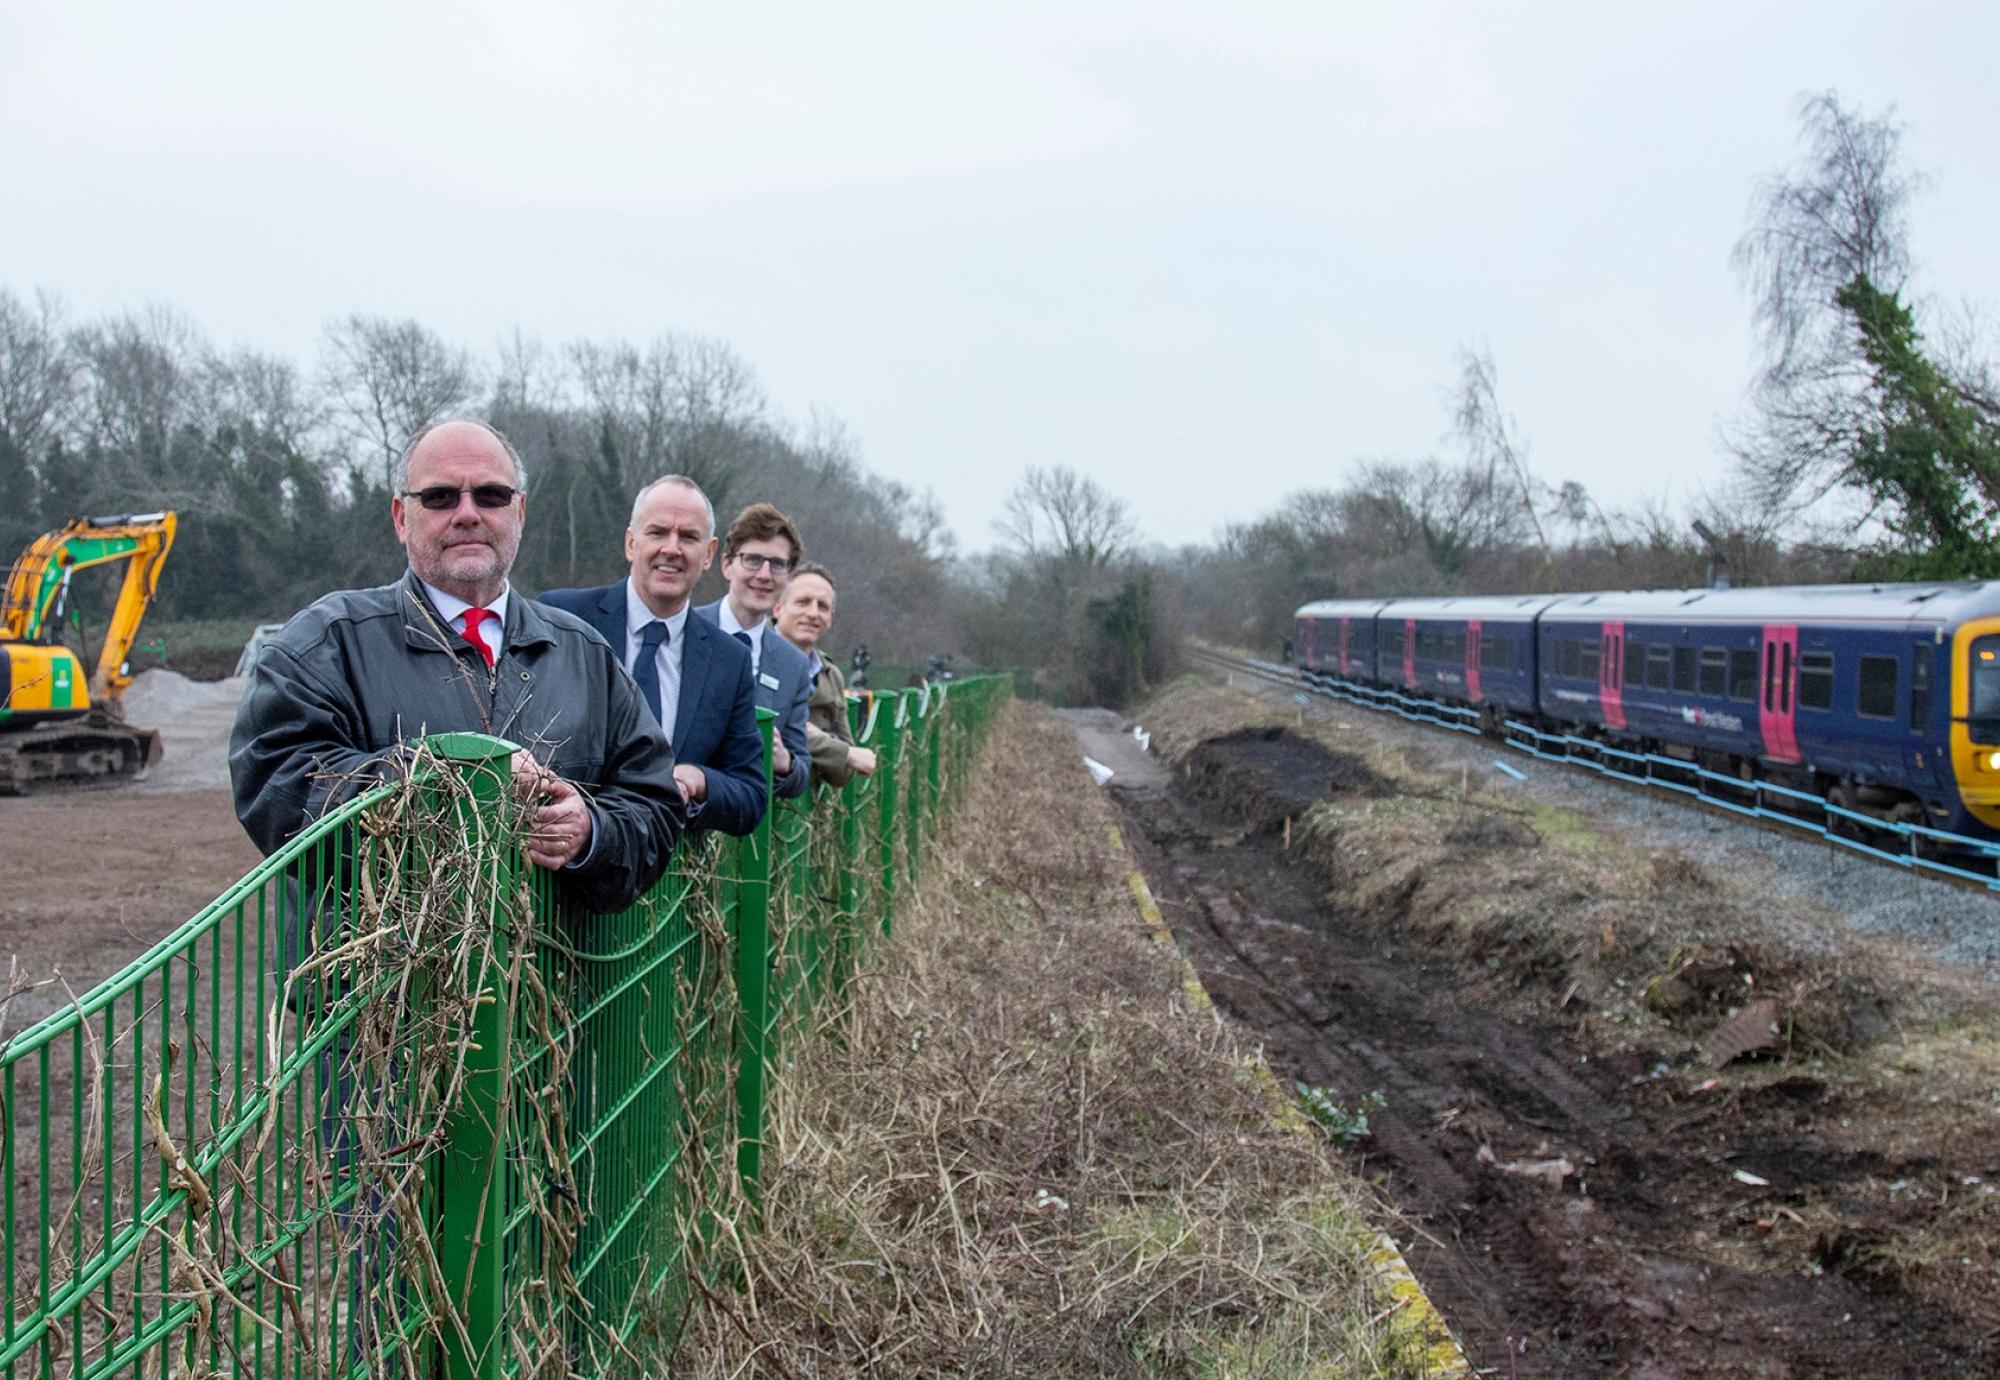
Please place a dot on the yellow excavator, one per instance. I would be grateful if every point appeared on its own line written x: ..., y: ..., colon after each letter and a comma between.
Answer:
x: 54, y: 723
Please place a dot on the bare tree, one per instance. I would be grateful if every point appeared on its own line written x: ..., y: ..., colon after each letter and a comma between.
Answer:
x: 388, y: 378
x: 142, y: 373
x: 1839, y: 216
x: 39, y: 372
x: 1058, y: 514
x: 687, y: 404
x: 1492, y: 444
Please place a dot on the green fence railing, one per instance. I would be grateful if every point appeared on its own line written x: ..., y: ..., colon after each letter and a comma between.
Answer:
x: 386, y: 1107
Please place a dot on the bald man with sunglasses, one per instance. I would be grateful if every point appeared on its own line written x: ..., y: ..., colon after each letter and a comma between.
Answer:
x: 337, y: 697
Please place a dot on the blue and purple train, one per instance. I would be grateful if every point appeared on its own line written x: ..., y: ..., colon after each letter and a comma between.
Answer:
x: 1881, y: 698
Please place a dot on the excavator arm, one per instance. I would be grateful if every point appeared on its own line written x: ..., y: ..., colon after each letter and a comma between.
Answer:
x: 39, y: 583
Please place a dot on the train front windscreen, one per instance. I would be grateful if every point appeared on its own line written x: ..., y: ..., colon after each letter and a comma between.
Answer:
x: 1982, y: 719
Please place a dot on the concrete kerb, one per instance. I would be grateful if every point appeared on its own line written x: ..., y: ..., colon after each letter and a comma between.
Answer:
x: 1415, y: 1322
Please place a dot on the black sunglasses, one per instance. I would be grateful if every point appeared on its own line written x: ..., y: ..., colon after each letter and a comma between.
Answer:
x: 442, y: 498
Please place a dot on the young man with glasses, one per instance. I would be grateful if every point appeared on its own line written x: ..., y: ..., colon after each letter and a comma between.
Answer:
x: 758, y: 553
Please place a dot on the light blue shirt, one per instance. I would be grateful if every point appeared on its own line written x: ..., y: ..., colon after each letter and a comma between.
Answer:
x: 637, y: 616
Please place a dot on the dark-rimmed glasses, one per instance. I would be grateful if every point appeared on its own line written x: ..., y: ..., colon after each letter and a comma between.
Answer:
x: 442, y: 498
x: 753, y: 562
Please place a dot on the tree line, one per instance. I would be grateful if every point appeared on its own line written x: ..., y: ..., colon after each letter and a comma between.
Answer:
x: 281, y: 472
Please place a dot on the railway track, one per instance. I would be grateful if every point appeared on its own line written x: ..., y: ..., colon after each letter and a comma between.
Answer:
x: 1966, y: 862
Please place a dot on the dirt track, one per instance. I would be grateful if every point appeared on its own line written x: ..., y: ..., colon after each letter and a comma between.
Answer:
x: 95, y: 875
x: 1574, y: 1201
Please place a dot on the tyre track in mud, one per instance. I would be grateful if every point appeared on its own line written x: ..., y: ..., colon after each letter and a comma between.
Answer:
x: 1599, y: 1276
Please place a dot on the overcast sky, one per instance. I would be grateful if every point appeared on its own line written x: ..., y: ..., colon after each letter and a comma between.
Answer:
x: 1206, y: 254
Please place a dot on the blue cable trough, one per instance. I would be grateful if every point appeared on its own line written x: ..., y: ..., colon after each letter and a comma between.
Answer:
x: 1514, y: 772
x: 1649, y: 769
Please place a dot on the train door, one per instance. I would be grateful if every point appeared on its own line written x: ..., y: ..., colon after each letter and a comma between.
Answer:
x: 1611, y: 675
x: 1922, y: 752
x: 1777, y: 690
x: 1346, y: 631
x: 1410, y: 653
x: 1472, y: 640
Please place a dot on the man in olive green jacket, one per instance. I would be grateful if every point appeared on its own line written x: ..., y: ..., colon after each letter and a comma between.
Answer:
x: 803, y: 614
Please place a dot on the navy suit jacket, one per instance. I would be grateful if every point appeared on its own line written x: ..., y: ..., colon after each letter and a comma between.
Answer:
x: 715, y: 722
x: 784, y: 686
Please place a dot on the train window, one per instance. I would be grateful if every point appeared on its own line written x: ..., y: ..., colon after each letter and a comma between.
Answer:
x: 1770, y: 675
x: 1983, y: 722
x: 1684, y: 663
x: 1635, y: 665
x: 1495, y: 653
x: 1588, y: 660
x: 1569, y: 659
x: 1659, y: 667
x: 1458, y: 646
x: 1743, y: 674
x: 1920, y: 687
x: 1815, y: 679
x: 1714, y: 670
x: 1877, y: 696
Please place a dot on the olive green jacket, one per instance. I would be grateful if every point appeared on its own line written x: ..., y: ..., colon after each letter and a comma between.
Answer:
x: 828, y: 736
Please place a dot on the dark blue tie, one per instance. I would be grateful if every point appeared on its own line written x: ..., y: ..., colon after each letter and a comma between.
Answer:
x: 646, y: 670
x: 741, y: 636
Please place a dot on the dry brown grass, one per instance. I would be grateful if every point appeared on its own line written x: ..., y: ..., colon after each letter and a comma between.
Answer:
x: 1023, y: 1152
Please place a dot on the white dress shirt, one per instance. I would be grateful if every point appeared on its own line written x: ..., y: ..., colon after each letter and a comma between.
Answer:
x: 493, y: 632
x: 637, y: 616
x: 726, y: 619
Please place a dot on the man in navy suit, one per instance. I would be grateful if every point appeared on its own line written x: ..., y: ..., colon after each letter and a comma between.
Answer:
x: 758, y: 555
x: 695, y: 680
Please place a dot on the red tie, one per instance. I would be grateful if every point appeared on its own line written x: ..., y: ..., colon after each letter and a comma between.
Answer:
x: 473, y: 618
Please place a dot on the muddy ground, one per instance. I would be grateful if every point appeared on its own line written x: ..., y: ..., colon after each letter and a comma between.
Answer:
x: 95, y: 875
x: 1541, y: 1004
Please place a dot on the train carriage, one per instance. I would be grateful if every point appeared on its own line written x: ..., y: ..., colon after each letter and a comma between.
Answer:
x: 1845, y: 690
x: 1336, y: 637
x: 1477, y: 651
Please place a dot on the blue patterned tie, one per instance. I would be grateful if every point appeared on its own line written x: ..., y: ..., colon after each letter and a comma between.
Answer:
x: 646, y: 670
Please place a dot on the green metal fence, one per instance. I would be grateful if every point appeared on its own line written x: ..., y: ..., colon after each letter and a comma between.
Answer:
x: 387, y: 1107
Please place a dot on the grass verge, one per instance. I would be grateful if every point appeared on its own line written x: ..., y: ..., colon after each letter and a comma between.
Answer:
x: 1025, y: 1150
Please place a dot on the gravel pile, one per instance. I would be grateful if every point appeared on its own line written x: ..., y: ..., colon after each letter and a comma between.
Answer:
x: 193, y: 719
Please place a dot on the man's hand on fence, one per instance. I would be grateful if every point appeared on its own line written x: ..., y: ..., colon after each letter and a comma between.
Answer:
x: 862, y: 760
x: 559, y: 829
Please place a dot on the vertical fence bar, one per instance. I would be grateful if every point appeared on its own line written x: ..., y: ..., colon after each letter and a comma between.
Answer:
x: 469, y: 1177
x: 918, y: 742
x: 888, y: 766
x: 848, y: 921
x: 753, y: 978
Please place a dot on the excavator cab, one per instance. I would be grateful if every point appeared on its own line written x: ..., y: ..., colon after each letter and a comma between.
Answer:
x: 57, y: 722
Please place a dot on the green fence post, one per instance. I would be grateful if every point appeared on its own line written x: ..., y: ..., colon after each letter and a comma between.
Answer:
x: 917, y: 739
x: 753, y: 977
x: 470, y: 1175
x: 888, y: 823
x: 940, y: 744
x: 848, y: 922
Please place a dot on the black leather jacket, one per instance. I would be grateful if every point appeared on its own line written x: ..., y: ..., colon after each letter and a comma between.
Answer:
x: 362, y: 672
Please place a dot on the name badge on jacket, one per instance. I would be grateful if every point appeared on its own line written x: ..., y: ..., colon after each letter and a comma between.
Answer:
x: 769, y: 681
